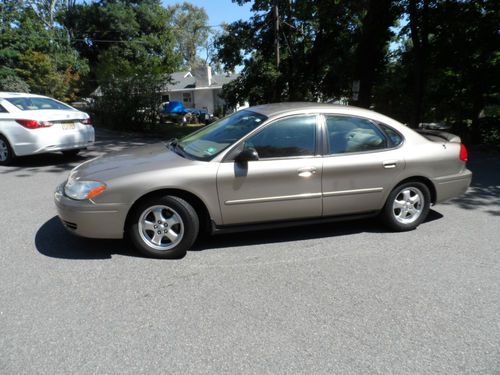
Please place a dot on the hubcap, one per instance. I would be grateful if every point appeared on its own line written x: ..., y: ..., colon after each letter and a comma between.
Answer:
x: 408, y: 205
x: 161, y: 227
x: 4, y: 151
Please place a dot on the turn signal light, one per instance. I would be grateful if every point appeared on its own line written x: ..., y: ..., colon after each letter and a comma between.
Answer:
x: 96, y: 191
x: 32, y: 124
x: 464, y: 155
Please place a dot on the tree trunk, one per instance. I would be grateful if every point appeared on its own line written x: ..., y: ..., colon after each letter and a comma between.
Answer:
x: 374, y: 36
x: 419, y: 36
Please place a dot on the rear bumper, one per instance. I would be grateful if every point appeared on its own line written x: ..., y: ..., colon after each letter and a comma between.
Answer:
x: 87, y: 219
x: 452, y: 186
x: 46, y: 140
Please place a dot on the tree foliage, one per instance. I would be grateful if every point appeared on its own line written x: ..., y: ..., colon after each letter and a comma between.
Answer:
x: 191, y: 31
x: 418, y: 60
x: 37, y: 57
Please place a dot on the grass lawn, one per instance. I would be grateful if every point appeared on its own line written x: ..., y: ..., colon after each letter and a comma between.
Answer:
x: 165, y: 131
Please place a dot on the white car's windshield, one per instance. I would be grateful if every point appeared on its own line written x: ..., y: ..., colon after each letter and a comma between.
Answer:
x: 209, y: 141
x: 34, y: 103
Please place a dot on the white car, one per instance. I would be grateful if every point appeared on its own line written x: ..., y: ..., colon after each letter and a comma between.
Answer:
x: 34, y: 124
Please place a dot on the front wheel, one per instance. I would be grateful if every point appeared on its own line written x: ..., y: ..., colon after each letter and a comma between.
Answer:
x: 164, y: 227
x: 407, y: 206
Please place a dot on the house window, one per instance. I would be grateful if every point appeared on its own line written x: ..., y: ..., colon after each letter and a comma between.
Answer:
x: 186, y: 98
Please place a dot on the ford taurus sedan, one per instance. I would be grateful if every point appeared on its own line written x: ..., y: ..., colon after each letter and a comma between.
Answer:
x: 34, y: 124
x: 270, y: 165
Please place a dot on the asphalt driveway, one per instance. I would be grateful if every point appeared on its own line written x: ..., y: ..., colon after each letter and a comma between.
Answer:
x: 334, y: 298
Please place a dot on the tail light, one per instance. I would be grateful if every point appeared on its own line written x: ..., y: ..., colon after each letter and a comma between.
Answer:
x: 464, y: 155
x: 33, y: 124
x: 87, y: 121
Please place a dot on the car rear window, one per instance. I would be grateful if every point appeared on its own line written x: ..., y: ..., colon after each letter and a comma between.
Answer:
x: 34, y: 104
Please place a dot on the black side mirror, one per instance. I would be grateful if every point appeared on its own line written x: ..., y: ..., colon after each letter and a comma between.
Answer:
x: 248, y: 154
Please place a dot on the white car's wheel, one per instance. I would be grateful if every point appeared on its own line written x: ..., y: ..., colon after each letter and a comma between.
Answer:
x: 6, y: 153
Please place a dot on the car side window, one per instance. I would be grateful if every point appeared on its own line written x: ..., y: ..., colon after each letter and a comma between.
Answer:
x: 353, y: 134
x: 2, y: 109
x: 292, y: 136
x: 395, y: 139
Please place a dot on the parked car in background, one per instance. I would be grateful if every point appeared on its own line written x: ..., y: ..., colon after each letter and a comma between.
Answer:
x: 34, y: 124
x: 270, y: 165
x: 173, y: 111
x: 200, y: 115
x: 176, y: 112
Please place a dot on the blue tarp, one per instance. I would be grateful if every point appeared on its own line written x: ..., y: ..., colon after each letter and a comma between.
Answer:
x: 174, y: 107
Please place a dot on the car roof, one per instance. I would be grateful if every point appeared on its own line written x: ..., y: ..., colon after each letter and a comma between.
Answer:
x: 275, y: 109
x: 4, y: 95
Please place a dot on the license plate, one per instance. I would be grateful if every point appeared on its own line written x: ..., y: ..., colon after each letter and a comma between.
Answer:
x: 68, y: 126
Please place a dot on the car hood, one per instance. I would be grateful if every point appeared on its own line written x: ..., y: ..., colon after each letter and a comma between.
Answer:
x: 131, y: 161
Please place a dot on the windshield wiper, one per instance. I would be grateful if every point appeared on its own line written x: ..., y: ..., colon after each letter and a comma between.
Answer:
x: 173, y: 144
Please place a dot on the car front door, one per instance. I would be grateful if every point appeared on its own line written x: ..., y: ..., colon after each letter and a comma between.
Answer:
x: 362, y: 162
x: 284, y: 183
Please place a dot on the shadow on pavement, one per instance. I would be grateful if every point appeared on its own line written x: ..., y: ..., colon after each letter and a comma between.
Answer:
x: 26, y: 166
x: 484, y: 192
x: 54, y: 241
x: 56, y: 162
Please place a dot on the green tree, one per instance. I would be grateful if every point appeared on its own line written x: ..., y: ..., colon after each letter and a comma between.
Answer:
x: 130, y: 49
x: 321, y: 43
x: 37, y: 55
x: 191, y: 31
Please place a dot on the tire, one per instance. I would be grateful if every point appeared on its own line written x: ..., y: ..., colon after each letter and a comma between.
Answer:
x: 70, y: 153
x: 407, y: 206
x: 6, y: 152
x: 163, y: 227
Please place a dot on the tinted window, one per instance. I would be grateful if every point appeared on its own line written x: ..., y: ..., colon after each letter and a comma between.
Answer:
x: 394, y: 137
x: 2, y: 109
x: 33, y: 103
x: 353, y: 134
x: 293, y: 136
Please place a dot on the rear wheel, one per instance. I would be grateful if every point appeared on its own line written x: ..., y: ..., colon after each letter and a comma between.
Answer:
x: 6, y: 153
x: 407, y: 206
x: 164, y: 227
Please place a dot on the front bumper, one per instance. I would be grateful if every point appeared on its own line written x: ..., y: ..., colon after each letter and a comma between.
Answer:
x: 88, y: 219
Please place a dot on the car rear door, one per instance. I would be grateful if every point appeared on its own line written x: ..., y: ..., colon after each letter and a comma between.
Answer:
x: 285, y: 183
x: 361, y: 164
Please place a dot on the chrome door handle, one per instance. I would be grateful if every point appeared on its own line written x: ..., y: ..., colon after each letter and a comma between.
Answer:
x: 306, y: 172
x: 390, y: 164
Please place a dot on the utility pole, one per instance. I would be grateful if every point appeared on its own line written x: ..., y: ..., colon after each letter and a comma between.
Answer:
x: 276, y: 33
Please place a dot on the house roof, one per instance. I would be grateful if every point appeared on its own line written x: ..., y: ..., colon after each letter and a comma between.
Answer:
x: 182, y: 81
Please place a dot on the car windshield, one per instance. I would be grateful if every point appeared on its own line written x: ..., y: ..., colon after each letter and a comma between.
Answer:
x: 209, y: 141
x: 34, y: 103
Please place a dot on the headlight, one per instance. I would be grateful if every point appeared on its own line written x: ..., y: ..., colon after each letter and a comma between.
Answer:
x: 83, y: 189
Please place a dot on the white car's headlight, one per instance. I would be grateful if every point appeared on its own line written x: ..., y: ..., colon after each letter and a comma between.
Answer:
x: 81, y: 190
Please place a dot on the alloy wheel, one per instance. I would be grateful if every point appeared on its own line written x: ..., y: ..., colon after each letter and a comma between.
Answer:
x: 408, y: 205
x: 161, y: 227
x: 4, y: 150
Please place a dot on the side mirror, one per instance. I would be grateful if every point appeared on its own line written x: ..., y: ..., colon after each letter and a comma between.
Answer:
x: 248, y: 154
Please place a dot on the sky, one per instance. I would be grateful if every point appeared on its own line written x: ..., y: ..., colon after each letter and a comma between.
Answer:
x: 219, y: 11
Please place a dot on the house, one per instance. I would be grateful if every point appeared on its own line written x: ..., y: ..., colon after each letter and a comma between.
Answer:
x: 197, y: 88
